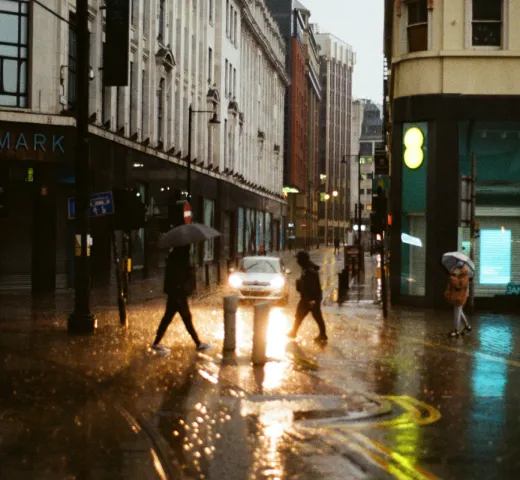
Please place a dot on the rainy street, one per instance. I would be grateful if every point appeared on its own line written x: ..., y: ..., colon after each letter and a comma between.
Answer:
x: 391, y: 398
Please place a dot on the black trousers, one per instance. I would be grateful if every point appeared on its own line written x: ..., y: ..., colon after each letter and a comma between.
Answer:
x: 176, y: 305
x: 303, y: 309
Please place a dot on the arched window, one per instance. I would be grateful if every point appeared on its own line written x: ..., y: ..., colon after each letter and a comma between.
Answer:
x: 160, y: 107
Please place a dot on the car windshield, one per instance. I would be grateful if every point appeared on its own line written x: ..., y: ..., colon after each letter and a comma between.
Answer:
x: 256, y: 265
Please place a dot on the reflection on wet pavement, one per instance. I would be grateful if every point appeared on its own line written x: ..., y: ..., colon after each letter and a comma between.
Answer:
x: 388, y: 398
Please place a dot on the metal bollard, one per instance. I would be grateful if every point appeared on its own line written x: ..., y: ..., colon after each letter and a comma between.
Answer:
x: 230, y: 322
x: 260, y: 321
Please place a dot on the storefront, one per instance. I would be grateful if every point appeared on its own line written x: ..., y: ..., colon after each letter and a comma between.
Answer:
x: 434, y: 139
x: 35, y: 239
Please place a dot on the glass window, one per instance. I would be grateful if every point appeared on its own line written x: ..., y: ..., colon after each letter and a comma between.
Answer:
x: 210, y: 7
x: 240, y: 233
x: 160, y: 102
x: 260, y: 265
x: 268, y: 221
x: 72, y: 81
x: 413, y: 207
x: 209, y: 218
x: 417, y: 25
x: 161, y: 19
x: 13, y: 53
x: 487, y: 23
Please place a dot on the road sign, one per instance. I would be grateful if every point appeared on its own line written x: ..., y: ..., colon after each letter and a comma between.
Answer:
x: 100, y: 204
x: 187, y: 213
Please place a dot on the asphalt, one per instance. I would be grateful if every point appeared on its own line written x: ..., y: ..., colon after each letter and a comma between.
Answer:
x: 385, y: 398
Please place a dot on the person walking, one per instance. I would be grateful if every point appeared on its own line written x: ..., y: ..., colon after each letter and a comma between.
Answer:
x: 336, y: 246
x: 456, y: 294
x: 179, y: 284
x: 311, y: 296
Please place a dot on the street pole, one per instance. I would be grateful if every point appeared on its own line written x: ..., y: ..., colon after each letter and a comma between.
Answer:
x: 81, y: 321
x: 359, y: 202
x: 333, y: 219
x: 188, y: 174
x: 472, y: 228
x: 326, y: 223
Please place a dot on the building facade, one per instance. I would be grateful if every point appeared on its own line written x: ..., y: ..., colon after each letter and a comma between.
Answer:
x: 451, y: 99
x: 337, y: 61
x: 219, y: 56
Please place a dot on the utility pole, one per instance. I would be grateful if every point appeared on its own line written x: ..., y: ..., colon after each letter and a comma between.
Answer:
x: 472, y: 230
x: 81, y: 321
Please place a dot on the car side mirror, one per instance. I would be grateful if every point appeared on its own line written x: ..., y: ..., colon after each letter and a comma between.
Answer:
x: 287, y: 271
x: 231, y: 270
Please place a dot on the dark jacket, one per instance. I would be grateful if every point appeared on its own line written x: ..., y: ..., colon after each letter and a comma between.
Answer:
x: 309, y: 284
x: 179, y: 275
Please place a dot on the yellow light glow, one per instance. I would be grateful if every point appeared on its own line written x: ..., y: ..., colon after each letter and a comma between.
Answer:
x: 327, y: 196
x: 413, y: 158
x: 413, y: 138
x: 334, y: 193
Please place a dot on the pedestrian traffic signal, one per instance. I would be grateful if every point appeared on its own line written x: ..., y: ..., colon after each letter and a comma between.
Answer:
x: 130, y: 210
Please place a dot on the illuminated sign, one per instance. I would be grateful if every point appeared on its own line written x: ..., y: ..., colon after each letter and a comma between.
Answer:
x: 31, y: 142
x: 413, y: 154
x: 409, y: 240
x: 495, y: 257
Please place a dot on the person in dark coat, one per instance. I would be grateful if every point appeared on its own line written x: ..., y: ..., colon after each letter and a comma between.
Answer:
x: 336, y: 246
x: 179, y: 284
x: 311, y: 296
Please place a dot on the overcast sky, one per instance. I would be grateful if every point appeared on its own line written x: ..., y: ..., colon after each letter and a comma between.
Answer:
x: 360, y: 24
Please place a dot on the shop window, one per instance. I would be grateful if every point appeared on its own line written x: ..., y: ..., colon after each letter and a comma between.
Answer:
x: 486, y: 23
x: 417, y: 25
x: 13, y: 53
x: 209, y: 219
x: 72, y: 81
x: 240, y: 233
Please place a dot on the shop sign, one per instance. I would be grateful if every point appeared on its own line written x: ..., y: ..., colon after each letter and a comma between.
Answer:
x: 35, y: 142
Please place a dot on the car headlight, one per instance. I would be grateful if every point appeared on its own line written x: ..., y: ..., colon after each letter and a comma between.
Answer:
x: 278, y: 282
x: 235, y: 281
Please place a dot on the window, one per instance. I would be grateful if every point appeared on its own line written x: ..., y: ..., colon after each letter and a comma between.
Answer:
x: 143, y: 98
x: 209, y: 218
x: 230, y: 80
x: 132, y: 12
x: 210, y: 6
x: 72, y: 80
x: 417, y: 25
x: 231, y: 24
x: 225, y: 144
x: 240, y: 236
x: 160, y: 102
x: 118, y: 107
x: 161, y: 19
x: 132, y: 97
x: 235, y: 27
x: 13, y: 53
x: 210, y: 66
x: 486, y: 25
x: 234, y: 82
x: 227, y: 18
x: 226, y: 80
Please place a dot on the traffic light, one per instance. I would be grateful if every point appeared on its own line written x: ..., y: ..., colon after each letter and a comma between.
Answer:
x: 379, y: 215
x: 130, y: 210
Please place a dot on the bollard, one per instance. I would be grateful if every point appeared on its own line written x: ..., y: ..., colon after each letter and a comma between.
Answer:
x: 260, y: 321
x: 230, y: 322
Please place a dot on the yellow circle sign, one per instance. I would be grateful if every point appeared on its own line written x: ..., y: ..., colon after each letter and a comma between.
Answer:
x: 413, y: 141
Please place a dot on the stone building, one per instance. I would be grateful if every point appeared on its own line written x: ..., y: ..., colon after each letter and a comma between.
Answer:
x: 219, y: 56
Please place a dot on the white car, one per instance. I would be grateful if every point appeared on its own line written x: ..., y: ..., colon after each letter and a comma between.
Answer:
x: 260, y: 278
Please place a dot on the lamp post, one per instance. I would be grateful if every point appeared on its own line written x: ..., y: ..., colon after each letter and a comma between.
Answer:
x: 334, y: 195
x: 357, y: 211
x: 213, y: 121
x: 327, y: 198
x: 81, y: 321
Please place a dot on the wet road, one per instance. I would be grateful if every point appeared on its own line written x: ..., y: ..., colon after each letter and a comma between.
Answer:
x: 388, y: 398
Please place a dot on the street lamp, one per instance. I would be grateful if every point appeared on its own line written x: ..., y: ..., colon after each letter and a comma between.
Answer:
x: 357, y: 214
x: 81, y: 321
x: 334, y: 195
x: 213, y: 121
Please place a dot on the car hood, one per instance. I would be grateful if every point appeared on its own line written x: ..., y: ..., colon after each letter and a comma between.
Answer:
x: 259, y: 277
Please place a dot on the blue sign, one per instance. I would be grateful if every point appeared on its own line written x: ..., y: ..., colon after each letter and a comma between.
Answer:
x: 100, y: 204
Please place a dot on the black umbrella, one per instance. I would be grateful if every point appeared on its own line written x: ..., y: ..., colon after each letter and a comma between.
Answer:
x: 187, y: 234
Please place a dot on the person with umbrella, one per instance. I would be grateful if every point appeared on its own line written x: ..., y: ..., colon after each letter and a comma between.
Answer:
x: 460, y: 268
x: 311, y: 296
x: 179, y: 280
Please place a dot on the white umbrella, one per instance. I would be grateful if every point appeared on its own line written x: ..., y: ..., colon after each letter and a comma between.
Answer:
x: 187, y: 234
x: 451, y: 259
